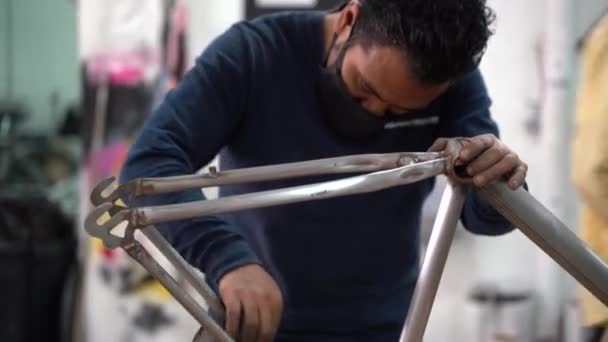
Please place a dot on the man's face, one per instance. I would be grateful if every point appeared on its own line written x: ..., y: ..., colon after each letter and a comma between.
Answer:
x: 379, y: 79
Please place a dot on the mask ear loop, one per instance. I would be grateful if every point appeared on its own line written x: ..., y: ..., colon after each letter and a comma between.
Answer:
x: 331, y: 47
x: 335, y: 37
x: 344, y: 47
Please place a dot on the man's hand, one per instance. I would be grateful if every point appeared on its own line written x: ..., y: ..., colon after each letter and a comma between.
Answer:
x: 486, y: 160
x: 254, y: 304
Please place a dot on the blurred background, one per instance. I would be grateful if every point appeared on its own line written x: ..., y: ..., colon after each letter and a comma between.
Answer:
x: 78, y: 78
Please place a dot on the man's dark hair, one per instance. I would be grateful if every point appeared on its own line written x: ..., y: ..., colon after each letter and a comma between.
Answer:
x: 441, y: 39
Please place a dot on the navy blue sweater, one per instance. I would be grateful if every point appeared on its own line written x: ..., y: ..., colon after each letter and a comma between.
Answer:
x: 343, y: 264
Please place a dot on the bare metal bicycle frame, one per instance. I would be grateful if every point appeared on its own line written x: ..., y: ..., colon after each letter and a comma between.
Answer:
x: 384, y: 171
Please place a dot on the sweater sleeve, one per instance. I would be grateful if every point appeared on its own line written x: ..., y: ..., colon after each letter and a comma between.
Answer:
x: 183, y: 134
x: 468, y: 115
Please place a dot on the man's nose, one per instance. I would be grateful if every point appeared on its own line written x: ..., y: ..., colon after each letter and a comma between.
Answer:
x: 375, y: 106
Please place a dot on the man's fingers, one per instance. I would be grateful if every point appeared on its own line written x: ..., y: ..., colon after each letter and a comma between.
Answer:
x: 439, y: 145
x: 475, y: 147
x: 486, y: 160
x: 503, y: 167
x: 233, y: 317
x: 251, y: 320
x: 252, y: 316
x: 518, y: 177
x: 267, y: 324
x: 254, y: 290
x: 271, y: 310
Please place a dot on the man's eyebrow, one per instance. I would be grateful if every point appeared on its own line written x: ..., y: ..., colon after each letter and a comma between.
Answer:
x: 373, y: 90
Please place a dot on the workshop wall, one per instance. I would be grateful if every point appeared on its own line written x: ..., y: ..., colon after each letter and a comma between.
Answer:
x: 40, y: 49
x: 4, y: 57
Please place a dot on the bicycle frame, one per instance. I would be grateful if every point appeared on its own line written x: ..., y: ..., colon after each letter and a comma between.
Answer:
x: 518, y: 206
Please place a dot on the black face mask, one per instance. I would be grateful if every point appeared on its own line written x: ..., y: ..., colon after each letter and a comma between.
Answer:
x: 346, y: 117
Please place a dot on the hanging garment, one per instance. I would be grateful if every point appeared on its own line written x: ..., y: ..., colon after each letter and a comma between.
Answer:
x: 590, y: 157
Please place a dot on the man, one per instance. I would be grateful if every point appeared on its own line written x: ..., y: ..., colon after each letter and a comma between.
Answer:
x: 374, y: 76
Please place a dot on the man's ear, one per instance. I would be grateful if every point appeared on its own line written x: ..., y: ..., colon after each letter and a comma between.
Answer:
x: 347, y: 18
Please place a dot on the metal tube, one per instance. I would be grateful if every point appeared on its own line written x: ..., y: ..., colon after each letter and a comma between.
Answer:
x: 348, y: 186
x: 141, y: 255
x: 435, y: 258
x: 338, y: 165
x: 551, y: 235
x: 184, y: 269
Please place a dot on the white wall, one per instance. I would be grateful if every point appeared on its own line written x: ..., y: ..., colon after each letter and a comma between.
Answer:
x: 511, y: 74
x: 209, y: 18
